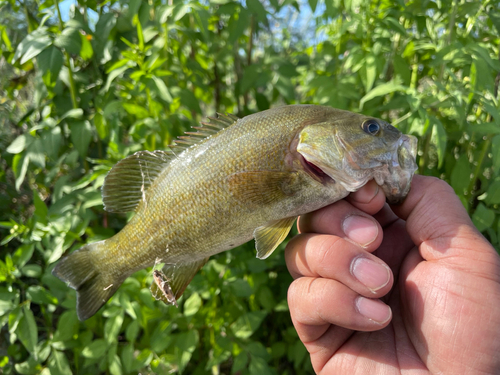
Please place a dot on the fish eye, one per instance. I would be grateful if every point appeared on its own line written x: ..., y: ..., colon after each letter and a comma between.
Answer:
x: 371, y: 127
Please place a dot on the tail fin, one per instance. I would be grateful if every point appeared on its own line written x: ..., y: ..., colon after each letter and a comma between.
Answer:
x: 93, y: 287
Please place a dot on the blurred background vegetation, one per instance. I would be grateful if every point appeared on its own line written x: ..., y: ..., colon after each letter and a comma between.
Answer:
x: 84, y: 84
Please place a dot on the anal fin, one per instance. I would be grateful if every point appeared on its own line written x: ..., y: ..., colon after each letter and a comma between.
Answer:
x: 169, y: 283
x: 269, y: 236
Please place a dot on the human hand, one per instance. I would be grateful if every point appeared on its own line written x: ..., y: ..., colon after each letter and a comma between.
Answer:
x: 442, y: 313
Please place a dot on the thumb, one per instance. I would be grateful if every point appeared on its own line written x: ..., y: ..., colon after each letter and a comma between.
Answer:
x: 438, y: 223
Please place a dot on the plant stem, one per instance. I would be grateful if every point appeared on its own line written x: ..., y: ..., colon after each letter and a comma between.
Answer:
x: 477, y: 170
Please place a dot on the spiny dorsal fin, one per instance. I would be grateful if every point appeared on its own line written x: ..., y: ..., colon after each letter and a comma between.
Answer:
x: 207, y: 129
x: 126, y: 183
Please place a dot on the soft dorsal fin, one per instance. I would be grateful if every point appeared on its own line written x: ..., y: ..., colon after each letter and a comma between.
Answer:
x: 207, y: 129
x: 126, y: 183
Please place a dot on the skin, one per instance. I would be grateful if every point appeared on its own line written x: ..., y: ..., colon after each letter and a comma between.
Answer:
x: 426, y: 299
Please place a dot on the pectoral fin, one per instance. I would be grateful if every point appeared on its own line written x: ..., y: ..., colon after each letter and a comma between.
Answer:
x: 261, y: 187
x: 268, y: 237
x: 169, y: 283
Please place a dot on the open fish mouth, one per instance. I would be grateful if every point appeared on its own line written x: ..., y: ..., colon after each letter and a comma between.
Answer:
x: 315, y: 171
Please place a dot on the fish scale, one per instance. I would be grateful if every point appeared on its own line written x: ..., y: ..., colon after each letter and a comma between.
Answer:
x: 251, y: 178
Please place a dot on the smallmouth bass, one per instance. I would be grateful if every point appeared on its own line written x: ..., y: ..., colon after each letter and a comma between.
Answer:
x: 232, y: 180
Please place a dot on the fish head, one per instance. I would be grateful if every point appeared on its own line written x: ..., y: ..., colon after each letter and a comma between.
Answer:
x: 353, y: 149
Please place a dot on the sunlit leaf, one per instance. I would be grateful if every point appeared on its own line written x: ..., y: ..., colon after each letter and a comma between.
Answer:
x: 381, y: 90
x: 192, y: 304
x: 27, y: 330
x: 17, y: 145
x: 246, y: 325
x: 32, y: 45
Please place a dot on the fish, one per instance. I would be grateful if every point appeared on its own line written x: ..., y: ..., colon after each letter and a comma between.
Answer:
x: 229, y: 181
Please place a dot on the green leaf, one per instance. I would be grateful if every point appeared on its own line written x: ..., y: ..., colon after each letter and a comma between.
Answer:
x: 495, y: 18
x: 112, y: 328
x: 67, y: 326
x: 58, y: 363
x: 75, y: 113
x: 189, y: 100
x: 20, y: 166
x: 51, y: 142
x: 113, y: 74
x: 69, y: 40
x: 23, y: 254
x: 81, y: 134
x: 32, y: 45
x: 313, y: 4
x: 493, y: 196
x: 185, y: 346
x: 180, y: 11
x: 187, y: 341
x: 402, y: 69
x: 249, y: 81
x: 40, y: 207
x: 86, y: 51
x: 381, y: 90
x: 439, y: 134
x: 483, y: 217
x: 36, y: 153
x: 51, y: 60
x: 247, y: 324
x: 460, y: 175
x: 39, y: 295
x: 32, y: 270
x: 135, y: 109
x: 6, y: 40
x: 27, y: 330
x: 100, y: 125
x: 371, y: 71
x: 17, y: 145
x: 162, y: 89
x: 192, y: 304
x: 241, y: 288
x: 258, y: 365
x: 240, y: 362
x: 495, y: 149
x: 115, y: 366
x: 256, y: 7
x: 96, y: 349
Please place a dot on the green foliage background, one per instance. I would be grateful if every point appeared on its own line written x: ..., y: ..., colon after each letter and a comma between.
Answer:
x: 121, y: 76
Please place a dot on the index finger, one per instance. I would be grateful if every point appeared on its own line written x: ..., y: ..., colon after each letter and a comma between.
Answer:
x: 437, y: 221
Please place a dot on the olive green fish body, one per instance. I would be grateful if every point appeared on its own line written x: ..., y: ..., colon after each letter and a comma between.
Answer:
x: 251, y: 178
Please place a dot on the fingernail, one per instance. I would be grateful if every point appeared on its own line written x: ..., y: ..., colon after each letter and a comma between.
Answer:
x: 373, y: 309
x: 360, y: 229
x: 372, y: 274
x: 366, y: 193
